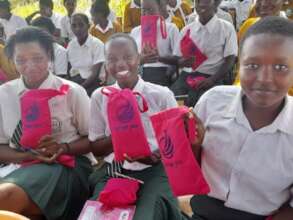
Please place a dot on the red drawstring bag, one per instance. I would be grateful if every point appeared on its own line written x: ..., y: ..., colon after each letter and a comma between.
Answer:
x: 36, y: 120
x: 192, y: 81
x: 119, y: 192
x: 128, y: 135
x: 149, y: 30
x: 189, y: 49
x: 183, y: 171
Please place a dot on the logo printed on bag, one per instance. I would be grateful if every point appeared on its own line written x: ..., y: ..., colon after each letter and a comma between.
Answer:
x: 125, y: 112
x: 168, y: 147
x: 147, y: 29
x: 33, y: 113
x: 124, y: 215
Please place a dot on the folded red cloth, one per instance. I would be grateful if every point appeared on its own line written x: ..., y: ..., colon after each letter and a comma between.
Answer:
x: 119, y: 192
x: 192, y: 81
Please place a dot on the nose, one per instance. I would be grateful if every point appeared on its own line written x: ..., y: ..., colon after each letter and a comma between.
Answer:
x: 121, y: 65
x: 265, y: 74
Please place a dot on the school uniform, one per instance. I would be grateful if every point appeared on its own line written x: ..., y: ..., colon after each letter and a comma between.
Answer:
x: 217, y: 40
x: 7, y: 66
x: 249, y: 172
x: 58, y: 191
x: 103, y: 34
x: 220, y: 14
x: 83, y: 57
x: 155, y: 200
x: 60, y: 63
x: 156, y: 72
x: 131, y: 17
x: 181, y: 10
x: 12, y: 25
x: 56, y: 19
x: 66, y: 31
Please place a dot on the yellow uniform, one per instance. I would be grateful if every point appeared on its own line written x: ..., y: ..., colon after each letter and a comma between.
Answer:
x: 104, y: 35
x: 131, y: 17
x: 178, y: 22
x: 7, y: 66
x: 186, y: 9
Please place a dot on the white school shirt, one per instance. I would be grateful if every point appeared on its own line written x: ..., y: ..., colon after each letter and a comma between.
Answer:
x: 66, y: 31
x: 60, y: 64
x: 12, y: 25
x: 56, y: 19
x: 241, y: 7
x: 217, y: 40
x: 83, y: 57
x: 165, y: 46
x: 69, y: 113
x: 157, y: 97
x: 248, y: 170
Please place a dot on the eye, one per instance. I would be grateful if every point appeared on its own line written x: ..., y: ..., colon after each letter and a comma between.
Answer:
x: 251, y: 66
x: 20, y: 61
x: 281, y: 67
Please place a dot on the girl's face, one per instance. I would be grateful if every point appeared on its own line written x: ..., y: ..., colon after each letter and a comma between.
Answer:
x: 97, y: 18
x: 70, y: 6
x: 268, y: 7
x: 79, y: 27
x: 122, y: 57
x: 172, y: 3
x: 31, y: 61
x: 266, y: 69
x: 150, y: 7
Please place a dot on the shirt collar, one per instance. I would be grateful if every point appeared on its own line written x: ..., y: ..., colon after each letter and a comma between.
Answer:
x: 48, y: 83
x: 134, y: 5
x: 178, y: 4
x: 211, y: 25
x: 109, y: 26
x: 283, y: 121
x: 138, y: 87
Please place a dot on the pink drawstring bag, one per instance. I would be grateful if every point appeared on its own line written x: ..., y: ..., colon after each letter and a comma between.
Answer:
x: 36, y: 120
x: 193, y: 81
x: 128, y: 135
x: 119, y: 192
x: 149, y: 30
x: 174, y: 137
x: 189, y: 49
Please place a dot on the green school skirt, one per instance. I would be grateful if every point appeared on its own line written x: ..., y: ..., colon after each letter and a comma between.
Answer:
x: 58, y: 191
x: 155, y: 199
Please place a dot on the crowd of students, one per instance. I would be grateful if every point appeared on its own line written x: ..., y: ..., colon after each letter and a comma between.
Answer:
x: 201, y: 49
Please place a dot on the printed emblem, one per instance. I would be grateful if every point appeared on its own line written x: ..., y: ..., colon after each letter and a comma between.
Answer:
x: 168, y: 147
x: 33, y: 113
x: 125, y: 112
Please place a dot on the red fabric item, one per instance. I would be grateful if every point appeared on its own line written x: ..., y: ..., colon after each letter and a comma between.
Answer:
x: 149, y: 30
x: 269, y: 218
x: 119, y: 192
x: 128, y: 135
x: 3, y: 77
x: 192, y: 81
x: 189, y: 49
x: 36, y: 119
x: 183, y: 171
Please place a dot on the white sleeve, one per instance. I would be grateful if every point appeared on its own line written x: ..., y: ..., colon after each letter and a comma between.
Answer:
x: 231, y: 44
x: 175, y: 36
x: 61, y: 61
x: 170, y: 100
x: 64, y: 33
x: 80, y: 109
x: 200, y: 108
x: 99, y: 56
x: 177, y: 49
x: 3, y: 138
x: 97, y: 124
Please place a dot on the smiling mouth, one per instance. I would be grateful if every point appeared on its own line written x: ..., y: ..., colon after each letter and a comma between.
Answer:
x: 122, y: 73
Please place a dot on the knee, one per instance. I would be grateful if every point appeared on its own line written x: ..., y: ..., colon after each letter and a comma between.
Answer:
x: 7, y: 190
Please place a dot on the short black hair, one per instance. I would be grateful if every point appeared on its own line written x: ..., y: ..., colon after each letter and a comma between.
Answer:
x: 5, y: 4
x: 101, y: 7
x: 44, y: 22
x: 28, y: 35
x: 48, y: 3
x: 123, y: 36
x: 272, y: 25
x: 83, y: 16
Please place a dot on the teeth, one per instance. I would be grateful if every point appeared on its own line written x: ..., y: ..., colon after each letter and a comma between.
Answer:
x: 122, y: 73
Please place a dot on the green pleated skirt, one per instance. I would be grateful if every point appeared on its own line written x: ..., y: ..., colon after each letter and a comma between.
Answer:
x: 58, y: 191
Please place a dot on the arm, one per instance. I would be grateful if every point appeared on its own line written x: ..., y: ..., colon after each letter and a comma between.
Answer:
x: 31, y: 16
x: 285, y: 213
x: 102, y: 147
x: 94, y: 78
x: 9, y: 155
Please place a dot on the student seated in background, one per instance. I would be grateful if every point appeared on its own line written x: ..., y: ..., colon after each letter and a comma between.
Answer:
x: 155, y: 199
x: 267, y: 7
x: 66, y: 31
x: 247, y: 145
x: 10, y: 22
x: 217, y: 40
x: 154, y: 60
x: 60, y: 64
x: 7, y: 67
x: 178, y: 21
x: 85, y: 54
x: 47, y: 188
x: 180, y: 9
x: 102, y: 27
x: 131, y: 15
x: 46, y: 10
